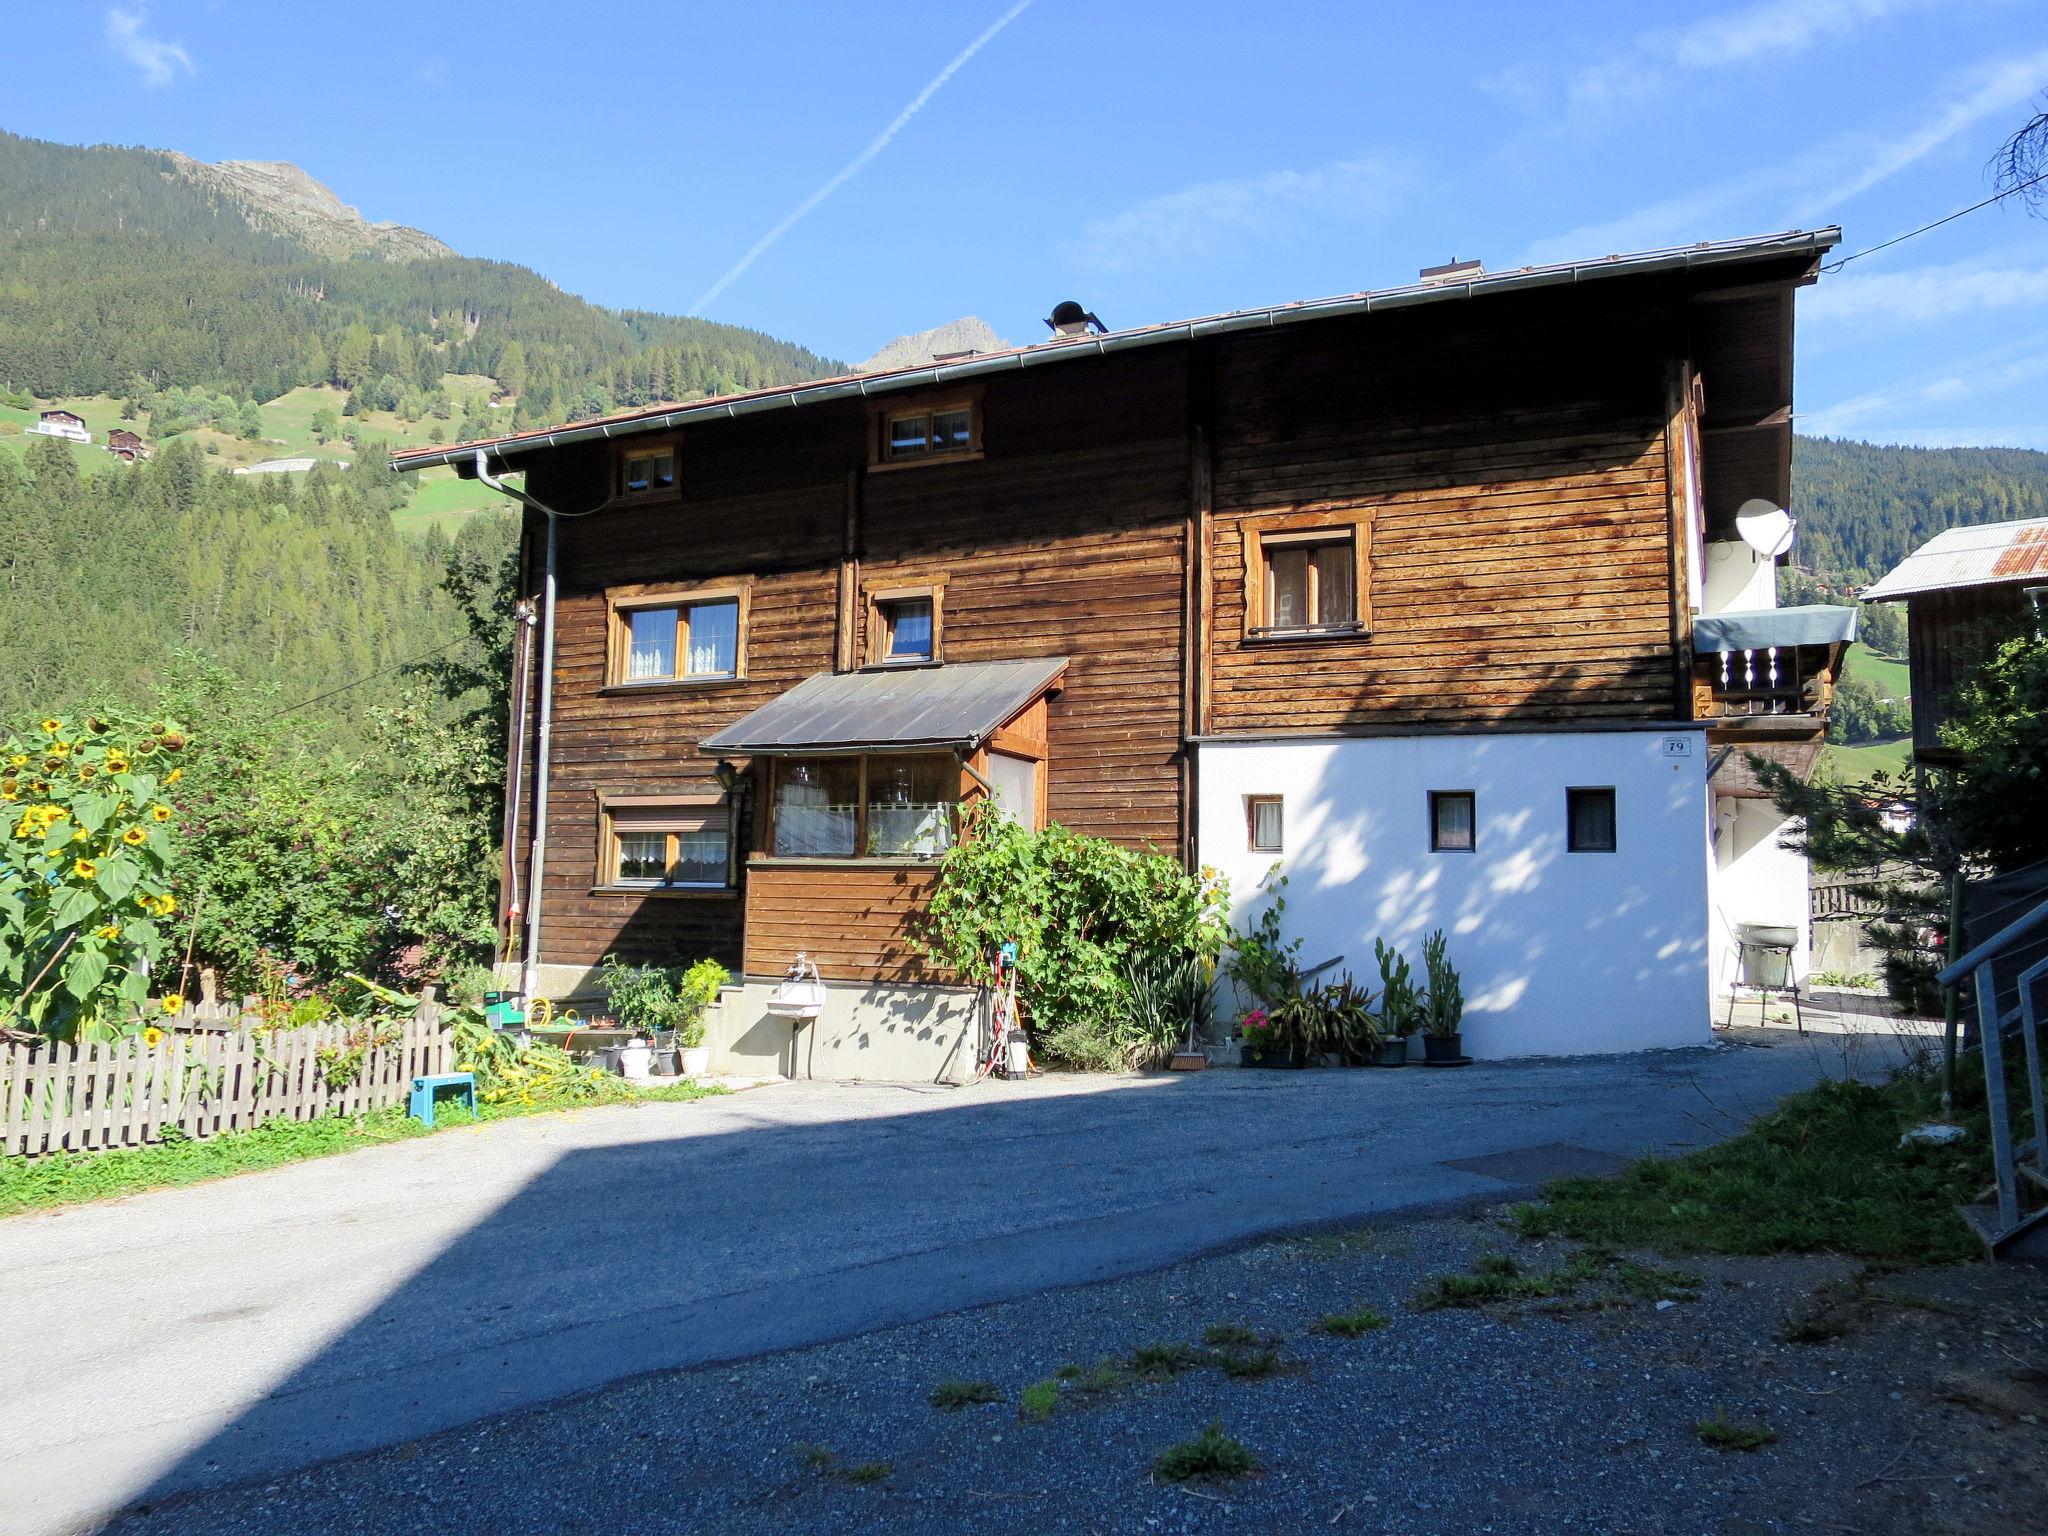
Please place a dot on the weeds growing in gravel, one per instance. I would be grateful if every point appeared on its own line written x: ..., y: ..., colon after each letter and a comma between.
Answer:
x: 1210, y: 1456
x: 1722, y: 1433
x: 1349, y: 1325
x: 1229, y: 1336
x: 1038, y: 1401
x: 1498, y: 1277
x: 1156, y: 1362
x: 1252, y: 1364
x: 826, y: 1463
x: 952, y: 1396
x: 1824, y: 1171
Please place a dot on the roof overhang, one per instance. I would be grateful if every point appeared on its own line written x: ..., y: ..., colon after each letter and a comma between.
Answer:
x: 955, y: 707
x: 1762, y: 628
x: 1797, y: 252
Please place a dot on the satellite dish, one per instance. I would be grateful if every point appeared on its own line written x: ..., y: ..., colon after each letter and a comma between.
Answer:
x: 1765, y: 528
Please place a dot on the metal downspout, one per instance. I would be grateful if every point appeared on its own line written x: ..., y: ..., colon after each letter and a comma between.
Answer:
x: 529, y: 959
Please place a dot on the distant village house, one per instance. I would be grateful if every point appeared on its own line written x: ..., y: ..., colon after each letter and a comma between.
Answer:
x: 126, y: 445
x: 65, y: 424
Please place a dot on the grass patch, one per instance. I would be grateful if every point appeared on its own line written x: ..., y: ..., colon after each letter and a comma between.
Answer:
x: 72, y: 1178
x: 1212, y: 1456
x: 826, y: 1463
x: 1252, y: 1364
x: 1722, y: 1433
x: 1157, y: 1362
x: 1824, y: 1171
x: 1039, y: 1401
x: 1351, y: 1325
x: 1498, y: 1277
x: 952, y: 1396
x: 1229, y: 1336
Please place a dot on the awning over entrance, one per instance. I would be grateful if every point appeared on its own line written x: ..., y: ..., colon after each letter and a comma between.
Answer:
x: 1761, y: 628
x: 959, y: 705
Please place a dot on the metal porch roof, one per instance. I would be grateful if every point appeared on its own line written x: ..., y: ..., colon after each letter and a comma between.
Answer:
x: 1761, y: 628
x: 956, y: 705
x: 1985, y: 555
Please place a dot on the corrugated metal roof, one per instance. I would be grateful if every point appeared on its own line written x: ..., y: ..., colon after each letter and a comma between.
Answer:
x: 1989, y: 554
x: 958, y: 705
x: 1760, y: 628
x: 1683, y: 258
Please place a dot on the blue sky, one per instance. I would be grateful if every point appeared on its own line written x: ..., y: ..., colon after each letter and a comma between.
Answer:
x: 1155, y: 160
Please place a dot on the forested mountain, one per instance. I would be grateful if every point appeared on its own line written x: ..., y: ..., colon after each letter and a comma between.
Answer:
x: 300, y: 580
x: 121, y: 267
x: 1862, y: 508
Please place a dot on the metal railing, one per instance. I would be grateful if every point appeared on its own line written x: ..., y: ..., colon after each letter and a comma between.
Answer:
x: 2008, y: 1228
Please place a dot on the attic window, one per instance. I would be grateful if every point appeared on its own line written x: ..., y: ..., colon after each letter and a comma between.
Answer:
x: 1308, y: 575
x: 903, y: 626
x: 647, y: 471
x: 922, y: 431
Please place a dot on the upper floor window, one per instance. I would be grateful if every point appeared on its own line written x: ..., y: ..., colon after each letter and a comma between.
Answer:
x: 647, y: 471
x: 1265, y: 823
x: 1589, y: 820
x: 1307, y: 575
x: 696, y: 635
x: 903, y: 626
x: 874, y: 805
x: 918, y: 431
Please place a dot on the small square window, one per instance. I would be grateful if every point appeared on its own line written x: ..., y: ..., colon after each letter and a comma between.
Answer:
x: 1311, y: 582
x: 647, y: 472
x: 1453, y: 821
x: 907, y: 632
x: 917, y: 432
x: 1265, y: 823
x: 1589, y: 820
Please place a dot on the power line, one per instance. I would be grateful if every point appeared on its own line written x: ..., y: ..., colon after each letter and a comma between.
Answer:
x: 1996, y: 197
x: 368, y: 677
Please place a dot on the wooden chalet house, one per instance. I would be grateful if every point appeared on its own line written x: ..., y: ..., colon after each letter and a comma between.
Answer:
x: 126, y: 445
x: 1962, y: 589
x: 65, y: 424
x: 1399, y: 590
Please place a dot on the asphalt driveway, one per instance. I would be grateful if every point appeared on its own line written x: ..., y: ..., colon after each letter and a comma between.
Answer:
x: 231, y: 1331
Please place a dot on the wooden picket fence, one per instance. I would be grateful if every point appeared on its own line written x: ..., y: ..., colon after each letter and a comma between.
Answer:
x: 218, y: 1076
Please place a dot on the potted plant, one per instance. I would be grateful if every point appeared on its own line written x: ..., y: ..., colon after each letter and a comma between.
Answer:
x: 697, y: 991
x: 1443, y: 1008
x: 1274, y: 1038
x: 1400, y: 1006
x: 1349, y: 1022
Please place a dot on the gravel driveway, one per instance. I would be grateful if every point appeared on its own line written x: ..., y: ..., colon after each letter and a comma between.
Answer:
x: 234, y: 1331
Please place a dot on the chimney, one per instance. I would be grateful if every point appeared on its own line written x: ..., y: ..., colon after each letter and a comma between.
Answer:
x: 1070, y: 319
x: 1454, y: 271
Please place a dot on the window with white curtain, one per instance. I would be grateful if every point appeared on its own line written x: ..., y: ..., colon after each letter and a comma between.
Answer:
x: 671, y: 643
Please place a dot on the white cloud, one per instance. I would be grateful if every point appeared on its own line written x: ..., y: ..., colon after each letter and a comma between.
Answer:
x: 1811, y: 188
x: 1199, y: 220
x: 159, y: 61
x: 1921, y: 294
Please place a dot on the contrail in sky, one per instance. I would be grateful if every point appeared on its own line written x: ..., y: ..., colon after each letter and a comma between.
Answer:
x: 859, y: 162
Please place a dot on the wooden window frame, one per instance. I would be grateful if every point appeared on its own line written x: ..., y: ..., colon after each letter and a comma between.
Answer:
x: 878, y: 626
x: 606, y: 878
x: 882, y: 412
x: 1251, y: 823
x: 1320, y: 525
x: 622, y: 602
x: 631, y: 449
x: 1471, y: 797
x: 776, y: 767
x: 1571, y: 844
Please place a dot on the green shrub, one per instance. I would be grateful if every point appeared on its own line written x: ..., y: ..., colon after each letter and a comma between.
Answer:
x: 1263, y: 967
x: 952, y: 1396
x: 1039, y: 1402
x: 1722, y: 1433
x: 1080, y: 910
x: 1350, y: 1325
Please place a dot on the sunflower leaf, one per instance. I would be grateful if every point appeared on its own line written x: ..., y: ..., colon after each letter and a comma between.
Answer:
x: 117, y: 877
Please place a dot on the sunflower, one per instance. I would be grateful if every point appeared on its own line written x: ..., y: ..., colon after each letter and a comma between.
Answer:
x: 85, y: 869
x: 19, y: 760
x: 174, y: 775
x: 135, y: 837
x: 52, y: 726
x: 174, y: 741
x: 7, y: 794
x: 165, y: 904
x: 86, y: 773
x: 81, y: 836
x: 60, y: 749
x: 110, y: 931
x: 173, y: 1002
x: 159, y: 813
x: 116, y: 763
x: 153, y: 1037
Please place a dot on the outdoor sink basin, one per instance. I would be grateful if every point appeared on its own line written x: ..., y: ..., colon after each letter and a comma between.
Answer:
x: 803, y: 999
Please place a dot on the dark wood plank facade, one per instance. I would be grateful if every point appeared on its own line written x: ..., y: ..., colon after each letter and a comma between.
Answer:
x: 1511, y: 462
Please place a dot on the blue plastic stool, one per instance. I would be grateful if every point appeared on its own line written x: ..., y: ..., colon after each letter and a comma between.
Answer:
x: 422, y: 1106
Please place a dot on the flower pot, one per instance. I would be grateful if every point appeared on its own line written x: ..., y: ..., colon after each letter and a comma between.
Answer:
x: 1391, y: 1053
x: 1254, y: 1056
x: 636, y: 1061
x: 1443, y: 1048
x: 696, y: 1060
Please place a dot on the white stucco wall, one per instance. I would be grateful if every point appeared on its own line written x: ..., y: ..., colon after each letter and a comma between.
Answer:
x: 1560, y: 953
x: 1739, y: 580
x: 1755, y: 880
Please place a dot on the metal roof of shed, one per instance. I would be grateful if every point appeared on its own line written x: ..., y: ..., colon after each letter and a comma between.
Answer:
x: 1989, y: 554
x: 958, y: 705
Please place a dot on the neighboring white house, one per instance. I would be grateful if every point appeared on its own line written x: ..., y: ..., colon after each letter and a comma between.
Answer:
x: 64, y: 424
